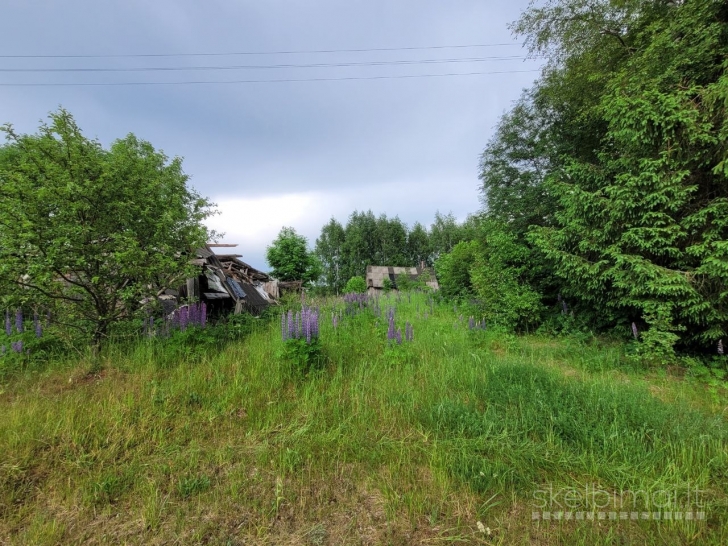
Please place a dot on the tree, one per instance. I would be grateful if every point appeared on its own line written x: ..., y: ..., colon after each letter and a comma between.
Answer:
x: 329, y: 250
x: 360, y: 245
x: 445, y: 233
x: 513, y: 167
x: 356, y: 285
x: 641, y: 221
x: 290, y: 258
x: 418, y: 246
x: 91, y: 231
x: 391, y: 242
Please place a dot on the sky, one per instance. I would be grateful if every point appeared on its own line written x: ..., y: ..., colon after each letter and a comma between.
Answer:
x: 327, y: 106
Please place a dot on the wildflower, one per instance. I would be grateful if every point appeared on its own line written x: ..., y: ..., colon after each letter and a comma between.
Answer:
x: 19, y: 321
x: 284, y: 329
x: 398, y: 336
x: 635, y: 332
x: 17, y: 346
x: 471, y: 323
x: 8, y: 326
x: 315, y: 323
x: 391, y: 334
x: 38, y: 328
x: 291, y: 325
x: 409, y: 332
x: 720, y: 346
x: 203, y: 314
x: 183, y: 318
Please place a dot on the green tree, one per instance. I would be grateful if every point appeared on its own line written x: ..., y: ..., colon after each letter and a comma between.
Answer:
x: 445, y: 233
x: 391, y: 242
x: 418, y: 246
x: 360, y: 244
x: 92, y: 231
x: 642, y: 207
x: 330, y: 251
x: 356, y: 284
x: 291, y: 259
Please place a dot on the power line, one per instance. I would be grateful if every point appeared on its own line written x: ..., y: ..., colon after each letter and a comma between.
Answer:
x: 221, y: 54
x: 275, y: 66
x: 349, y: 78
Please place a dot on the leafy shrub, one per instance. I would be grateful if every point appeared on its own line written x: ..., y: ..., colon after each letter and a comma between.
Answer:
x: 355, y: 285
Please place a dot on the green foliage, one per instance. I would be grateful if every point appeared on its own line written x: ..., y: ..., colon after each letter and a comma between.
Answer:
x: 290, y: 258
x: 611, y: 170
x: 303, y: 357
x: 90, y: 232
x: 329, y: 250
x: 453, y: 270
x: 387, y: 285
x: 355, y: 285
x: 499, y: 278
x: 346, y: 251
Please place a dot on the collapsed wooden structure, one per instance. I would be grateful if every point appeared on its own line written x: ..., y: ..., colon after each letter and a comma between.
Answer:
x: 226, y: 283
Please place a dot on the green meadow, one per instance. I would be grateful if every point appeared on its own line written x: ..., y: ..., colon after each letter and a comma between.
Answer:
x: 460, y: 436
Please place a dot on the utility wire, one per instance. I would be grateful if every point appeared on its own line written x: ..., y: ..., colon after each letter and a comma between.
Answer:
x: 219, y: 54
x: 275, y: 66
x: 349, y: 78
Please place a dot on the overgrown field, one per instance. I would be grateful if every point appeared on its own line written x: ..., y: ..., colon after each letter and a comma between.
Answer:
x: 459, y: 436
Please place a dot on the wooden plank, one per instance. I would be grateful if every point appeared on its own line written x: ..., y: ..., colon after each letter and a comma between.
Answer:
x: 216, y: 295
x: 222, y: 245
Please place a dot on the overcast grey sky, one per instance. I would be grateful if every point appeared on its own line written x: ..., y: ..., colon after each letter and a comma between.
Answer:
x: 285, y: 153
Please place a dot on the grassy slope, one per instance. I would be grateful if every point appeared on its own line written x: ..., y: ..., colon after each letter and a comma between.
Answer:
x: 405, y: 445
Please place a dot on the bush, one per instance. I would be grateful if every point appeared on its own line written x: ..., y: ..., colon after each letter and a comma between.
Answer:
x: 355, y: 285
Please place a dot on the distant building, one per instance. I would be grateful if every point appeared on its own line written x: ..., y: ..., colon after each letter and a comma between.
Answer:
x: 377, y: 274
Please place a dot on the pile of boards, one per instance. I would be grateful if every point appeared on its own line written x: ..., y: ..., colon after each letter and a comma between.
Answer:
x: 226, y: 283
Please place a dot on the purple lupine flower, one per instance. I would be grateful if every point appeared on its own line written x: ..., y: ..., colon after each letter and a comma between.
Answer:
x: 291, y: 325
x: 391, y: 334
x: 8, y: 326
x: 398, y: 336
x: 203, y: 314
x: 299, y: 329
x: 284, y: 329
x: 183, y: 318
x: 315, y: 324
x: 193, y: 314
x: 720, y: 346
x: 471, y: 323
x: 305, y: 333
x: 19, y: 321
x: 635, y: 332
x: 17, y: 346
x: 409, y: 332
x: 38, y: 327
x: 564, y: 307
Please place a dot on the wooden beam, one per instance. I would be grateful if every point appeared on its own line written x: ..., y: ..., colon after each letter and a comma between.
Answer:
x: 222, y: 245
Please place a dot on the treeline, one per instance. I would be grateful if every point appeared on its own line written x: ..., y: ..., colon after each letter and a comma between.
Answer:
x: 344, y: 251
x: 605, y: 187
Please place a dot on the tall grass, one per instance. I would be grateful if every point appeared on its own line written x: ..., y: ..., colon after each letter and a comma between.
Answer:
x: 384, y: 443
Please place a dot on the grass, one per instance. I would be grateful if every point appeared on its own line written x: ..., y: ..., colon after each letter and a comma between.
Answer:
x: 456, y: 437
